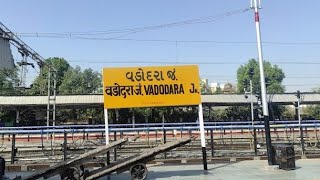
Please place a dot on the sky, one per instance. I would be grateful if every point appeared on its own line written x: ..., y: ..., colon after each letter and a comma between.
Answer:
x: 94, y: 34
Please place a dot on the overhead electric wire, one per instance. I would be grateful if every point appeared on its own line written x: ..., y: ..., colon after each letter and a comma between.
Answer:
x: 206, y: 19
x: 301, y: 84
x: 117, y: 38
x: 88, y: 61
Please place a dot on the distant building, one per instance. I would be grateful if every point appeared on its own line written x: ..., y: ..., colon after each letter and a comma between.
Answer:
x: 229, y: 88
x: 205, y: 82
x: 215, y: 86
x: 205, y: 86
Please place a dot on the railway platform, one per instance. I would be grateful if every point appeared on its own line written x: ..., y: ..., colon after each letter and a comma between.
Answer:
x: 306, y: 169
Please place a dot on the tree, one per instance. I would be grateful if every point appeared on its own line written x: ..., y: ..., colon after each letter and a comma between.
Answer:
x: 218, y: 90
x: 77, y: 82
x: 8, y: 82
x: 313, y: 111
x: 92, y: 80
x: 145, y: 112
x: 238, y: 112
x: 72, y: 82
x: 274, y: 75
x: 220, y: 114
x: 40, y: 84
x: 204, y: 87
x: 69, y: 81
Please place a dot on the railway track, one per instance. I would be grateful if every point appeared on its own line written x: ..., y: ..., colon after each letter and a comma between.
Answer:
x: 228, y: 147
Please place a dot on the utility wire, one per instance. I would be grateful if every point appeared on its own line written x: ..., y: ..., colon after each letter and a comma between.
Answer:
x: 186, y: 62
x: 206, y: 19
x: 301, y: 84
x: 118, y: 38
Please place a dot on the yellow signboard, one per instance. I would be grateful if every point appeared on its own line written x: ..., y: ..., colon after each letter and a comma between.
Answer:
x: 151, y: 86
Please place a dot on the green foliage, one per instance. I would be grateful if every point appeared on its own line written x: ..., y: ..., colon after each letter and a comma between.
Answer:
x: 273, y: 74
x: 40, y: 84
x: 288, y: 113
x: 204, y: 89
x: 156, y: 114
x: 8, y: 82
x: 73, y: 80
x: 238, y: 112
x: 69, y: 80
x: 219, y: 114
x: 7, y: 117
x: 274, y: 77
x: 218, y: 90
x: 77, y: 82
x: 312, y: 111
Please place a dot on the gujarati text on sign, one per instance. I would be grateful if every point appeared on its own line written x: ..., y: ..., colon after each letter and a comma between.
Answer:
x: 151, y: 86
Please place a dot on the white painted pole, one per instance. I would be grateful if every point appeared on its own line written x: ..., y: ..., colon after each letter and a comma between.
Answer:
x: 298, y: 109
x: 106, y: 125
x: 202, y: 138
x: 263, y: 85
x: 262, y: 77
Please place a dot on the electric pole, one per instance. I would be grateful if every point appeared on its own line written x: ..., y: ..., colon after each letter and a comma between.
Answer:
x: 255, y: 5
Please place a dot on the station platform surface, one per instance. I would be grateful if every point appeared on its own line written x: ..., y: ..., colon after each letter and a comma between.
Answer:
x: 306, y: 169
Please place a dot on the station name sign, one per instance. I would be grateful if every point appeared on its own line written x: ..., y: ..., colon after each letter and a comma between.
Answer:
x: 151, y: 86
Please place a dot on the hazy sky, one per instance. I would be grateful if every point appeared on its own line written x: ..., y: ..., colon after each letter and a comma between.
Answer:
x: 290, y: 30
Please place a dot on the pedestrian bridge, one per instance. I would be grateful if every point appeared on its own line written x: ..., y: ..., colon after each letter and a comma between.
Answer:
x: 96, y: 100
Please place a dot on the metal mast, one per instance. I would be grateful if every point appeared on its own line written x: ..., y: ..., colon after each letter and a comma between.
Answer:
x: 27, y: 51
x: 256, y: 6
x: 24, y: 70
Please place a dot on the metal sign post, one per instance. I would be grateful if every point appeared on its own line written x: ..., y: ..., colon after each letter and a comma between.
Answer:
x: 202, y: 138
x: 157, y: 86
x: 106, y: 126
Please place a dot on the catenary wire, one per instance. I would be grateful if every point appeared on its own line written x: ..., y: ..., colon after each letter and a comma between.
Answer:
x: 117, y: 38
x: 206, y: 19
x: 181, y: 62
